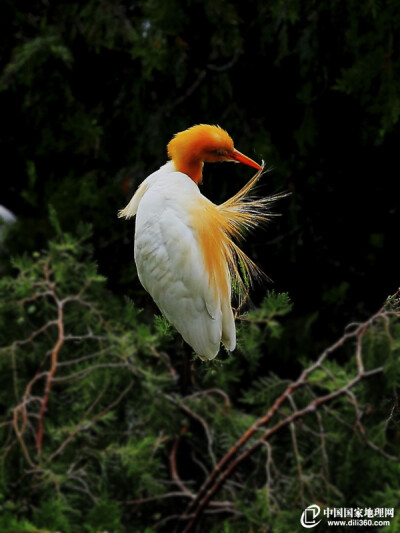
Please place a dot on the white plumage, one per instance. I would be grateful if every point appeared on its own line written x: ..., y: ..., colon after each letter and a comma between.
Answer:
x: 184, y: 252
x: 170, y: 264
x: 6, y: 218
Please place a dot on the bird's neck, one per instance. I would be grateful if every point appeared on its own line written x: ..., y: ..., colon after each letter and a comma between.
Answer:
x: 191, y: 166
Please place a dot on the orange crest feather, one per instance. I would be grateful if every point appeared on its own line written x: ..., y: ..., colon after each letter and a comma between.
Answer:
x: 196, y: 139
x: 190, y: 148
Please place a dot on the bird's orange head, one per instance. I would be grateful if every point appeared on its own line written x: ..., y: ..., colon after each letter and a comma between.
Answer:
x: 189, y: 149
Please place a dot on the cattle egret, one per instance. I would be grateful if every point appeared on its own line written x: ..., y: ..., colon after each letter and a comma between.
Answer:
x: 184, y: 252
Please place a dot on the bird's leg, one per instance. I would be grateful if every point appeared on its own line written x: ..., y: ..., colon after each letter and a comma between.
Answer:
x: 186, y: 374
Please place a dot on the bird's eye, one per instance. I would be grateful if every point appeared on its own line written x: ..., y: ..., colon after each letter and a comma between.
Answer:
x: 221, y: 152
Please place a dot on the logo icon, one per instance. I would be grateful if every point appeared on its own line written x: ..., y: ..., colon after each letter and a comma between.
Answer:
x: 309, y: 515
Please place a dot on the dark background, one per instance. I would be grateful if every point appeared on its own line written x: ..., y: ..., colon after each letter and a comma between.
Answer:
x: 91, y: 92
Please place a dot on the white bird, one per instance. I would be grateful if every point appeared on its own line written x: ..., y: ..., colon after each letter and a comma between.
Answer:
x: 184, y: 252
x: 6, y: 218
x: 6, y: 215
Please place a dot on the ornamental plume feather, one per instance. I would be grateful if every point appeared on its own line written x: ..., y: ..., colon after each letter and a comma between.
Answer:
x: 233, y: 219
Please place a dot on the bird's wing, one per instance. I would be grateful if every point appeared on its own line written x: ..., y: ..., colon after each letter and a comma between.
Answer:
x: 130, y: 210
x: 171, y: 266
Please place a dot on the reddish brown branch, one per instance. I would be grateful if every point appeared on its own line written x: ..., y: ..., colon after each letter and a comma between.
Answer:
x: 198, y: 505
x: 231, y: 460
x: 47, y: 289
x: 174, y: 470
x: 54, y: 358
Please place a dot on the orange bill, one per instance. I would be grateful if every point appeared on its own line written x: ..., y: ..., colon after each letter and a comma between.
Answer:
x: 241, y: 158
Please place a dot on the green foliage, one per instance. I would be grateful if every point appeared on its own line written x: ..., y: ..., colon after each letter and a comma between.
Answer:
x: 106, y: 415
x: 33, y: 55
x: 105, y: 515
x: 261, y: 324
x: 116, y: 424
x: 10, y: 524
x: 163, y: 327
x: 52, y: 514
x: 67, y: 326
